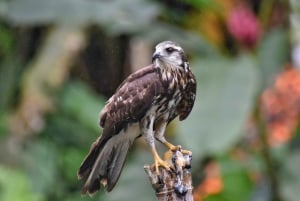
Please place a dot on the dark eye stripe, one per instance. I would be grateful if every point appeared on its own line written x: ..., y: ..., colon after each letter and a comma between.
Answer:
x: 170, y: 49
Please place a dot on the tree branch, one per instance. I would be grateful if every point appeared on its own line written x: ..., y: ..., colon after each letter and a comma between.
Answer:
x: 174, y: 184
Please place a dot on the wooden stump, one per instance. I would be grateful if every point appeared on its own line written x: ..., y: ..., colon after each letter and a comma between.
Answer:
x: 174, y: 184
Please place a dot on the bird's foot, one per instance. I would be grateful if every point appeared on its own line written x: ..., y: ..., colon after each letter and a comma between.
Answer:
x: 158, y: 162
x: 174, y: 148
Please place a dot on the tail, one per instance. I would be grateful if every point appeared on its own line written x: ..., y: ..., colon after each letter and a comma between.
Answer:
x: 104, y: 163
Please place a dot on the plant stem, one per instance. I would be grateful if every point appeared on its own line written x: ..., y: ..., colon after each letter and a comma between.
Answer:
x: 269, y: 162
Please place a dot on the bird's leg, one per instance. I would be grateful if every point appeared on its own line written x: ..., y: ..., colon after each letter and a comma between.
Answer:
x: 174, y: 147
x: 158, y: 161
x: 159, y: 135
x: 147, y: 130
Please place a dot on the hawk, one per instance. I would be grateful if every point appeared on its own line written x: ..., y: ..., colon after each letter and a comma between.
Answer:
x: 143, y: 105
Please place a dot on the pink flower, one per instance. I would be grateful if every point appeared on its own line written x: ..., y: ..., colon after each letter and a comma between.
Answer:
x: 244, y: 26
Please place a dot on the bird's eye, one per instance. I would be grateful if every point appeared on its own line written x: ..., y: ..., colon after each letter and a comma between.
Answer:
x: 170, y: 49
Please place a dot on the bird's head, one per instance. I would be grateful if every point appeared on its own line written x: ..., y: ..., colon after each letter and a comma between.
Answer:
x: 171, y: 54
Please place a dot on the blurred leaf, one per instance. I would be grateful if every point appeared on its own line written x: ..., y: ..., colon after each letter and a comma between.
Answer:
x: 81, y: 103
x: 40, y: 161
x: 70, y: 160
x: 200, y: 3
x: 236, y: 182
x: 225, y: 96
x: 117, y: 16
x: 14, y: 185
x: 64, y: 130
x: 6, y: 39
x: 9, y: 77
x: 295, y: 5
x: 273, y: 53
x: 3, y: 124
x: 290, y: 177
x: 196, y: 43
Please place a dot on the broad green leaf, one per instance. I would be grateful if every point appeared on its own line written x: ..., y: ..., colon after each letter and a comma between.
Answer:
x: 117, y: 16
x: 225, y: 96
x: 272, y: 54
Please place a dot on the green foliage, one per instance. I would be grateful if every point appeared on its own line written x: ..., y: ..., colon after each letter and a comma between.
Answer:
x: 80, y: 102
x: 3, y: 124
x: 6, y: 40
x: 119, y: 16
x: 225, y: 96
x: 51, y: 161
x: 236, y: 182
x: 272, y: 55
x: 200, y: 3
x: 290, y: 176
x: 14, y: 185
x: 295, y: 5
x: 195, y: 43
x: 235, y: 175
x: 41, y: 163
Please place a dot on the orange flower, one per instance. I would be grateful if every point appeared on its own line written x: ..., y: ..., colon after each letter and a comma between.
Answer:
x: 281, y: 106
x: 212, y: 184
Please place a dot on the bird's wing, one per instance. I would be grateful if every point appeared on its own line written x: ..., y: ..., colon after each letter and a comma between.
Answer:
x: 131, y: 101
x: 187, y: 102
x: 128, y: 105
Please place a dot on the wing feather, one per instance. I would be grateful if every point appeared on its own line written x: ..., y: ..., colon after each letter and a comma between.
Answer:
x: 129, y: 104
x: 131, y: 101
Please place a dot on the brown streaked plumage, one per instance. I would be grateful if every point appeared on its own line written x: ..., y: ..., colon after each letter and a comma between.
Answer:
x: 143, y: 105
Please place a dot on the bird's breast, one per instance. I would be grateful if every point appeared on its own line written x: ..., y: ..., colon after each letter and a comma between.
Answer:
x: 167, y: 105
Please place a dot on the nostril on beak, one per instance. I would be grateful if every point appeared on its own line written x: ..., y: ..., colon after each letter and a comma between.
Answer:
x: 155, y: 56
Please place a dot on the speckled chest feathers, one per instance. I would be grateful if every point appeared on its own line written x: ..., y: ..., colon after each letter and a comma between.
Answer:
x: 176, y: 95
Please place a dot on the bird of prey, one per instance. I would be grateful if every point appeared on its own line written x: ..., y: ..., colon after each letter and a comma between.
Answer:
x: 143, y: 105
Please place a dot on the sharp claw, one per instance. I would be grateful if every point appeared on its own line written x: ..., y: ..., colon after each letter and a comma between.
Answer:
x: 178, y: 148
x: 160, y: 163
x: 175, y: 148
x: 186, y: 152
x: 157, y: 168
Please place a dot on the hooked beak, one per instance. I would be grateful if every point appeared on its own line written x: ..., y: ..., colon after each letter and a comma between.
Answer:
x: 155, y: 56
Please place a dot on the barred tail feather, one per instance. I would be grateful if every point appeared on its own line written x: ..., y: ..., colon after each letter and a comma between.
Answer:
x: 87, y: 164
x: 107, y: 167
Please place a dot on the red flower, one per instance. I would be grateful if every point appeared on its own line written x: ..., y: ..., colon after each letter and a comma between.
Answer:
x: 244, y: 26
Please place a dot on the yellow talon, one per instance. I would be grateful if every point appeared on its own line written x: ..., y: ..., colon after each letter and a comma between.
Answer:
x: 158, y: 162
x: 178, y: 147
